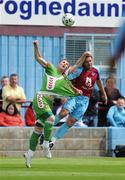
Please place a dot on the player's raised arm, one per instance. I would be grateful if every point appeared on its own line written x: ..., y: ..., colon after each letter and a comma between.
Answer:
x: 38, y: 56
x: 79, y: 62
x: 76, y: 90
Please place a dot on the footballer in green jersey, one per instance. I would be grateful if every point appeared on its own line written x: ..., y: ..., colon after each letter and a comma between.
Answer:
x: 54, y: 83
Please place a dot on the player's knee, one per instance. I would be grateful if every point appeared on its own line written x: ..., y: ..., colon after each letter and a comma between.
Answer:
x: 38, y: 130
x: 51, y: 119
x: 63, y: 113
x: 71, y: 122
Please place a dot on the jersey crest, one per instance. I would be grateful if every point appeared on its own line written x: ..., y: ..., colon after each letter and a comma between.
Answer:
x: 88, y: 82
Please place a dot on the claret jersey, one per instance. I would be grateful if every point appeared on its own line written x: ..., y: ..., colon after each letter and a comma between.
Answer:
x: 86, y: 80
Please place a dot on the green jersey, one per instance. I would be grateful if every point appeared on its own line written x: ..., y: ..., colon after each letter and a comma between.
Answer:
x: 55, y: 83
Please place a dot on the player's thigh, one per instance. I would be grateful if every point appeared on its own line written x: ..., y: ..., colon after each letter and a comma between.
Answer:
x: 38, y: 128
x: 42, y: 109
x: 80, y: 107
x: 70, y: 105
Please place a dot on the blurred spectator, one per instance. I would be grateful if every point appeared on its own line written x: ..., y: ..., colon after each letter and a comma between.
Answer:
x: 13, y: 93
x: 4, y: 81
x: 116, y: 114
x: 90, y: 117
x: 29, y: 116
x: 57, y: 103
x: 11, y: 117
x: 113, y: 94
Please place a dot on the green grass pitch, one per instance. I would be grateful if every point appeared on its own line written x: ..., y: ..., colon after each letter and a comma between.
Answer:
x: 89, y: 168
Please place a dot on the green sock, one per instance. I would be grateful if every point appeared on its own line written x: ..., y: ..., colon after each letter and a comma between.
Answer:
x: 34, y: 141
x: 47, y: 131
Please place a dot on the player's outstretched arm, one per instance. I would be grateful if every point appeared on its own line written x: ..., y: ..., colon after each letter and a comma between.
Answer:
x: 76, y: 90
x: 74, y: 67
x: 38, y: 56
x: 79, y: 62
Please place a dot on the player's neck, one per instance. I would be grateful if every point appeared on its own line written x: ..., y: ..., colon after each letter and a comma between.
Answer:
x: 60, y: 71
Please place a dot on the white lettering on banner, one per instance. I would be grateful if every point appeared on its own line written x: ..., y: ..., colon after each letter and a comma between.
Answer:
x: 45, y: 12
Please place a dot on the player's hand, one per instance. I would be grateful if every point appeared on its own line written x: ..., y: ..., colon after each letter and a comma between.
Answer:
x: 105, y: 99
x: 36, y: 43
x: 78, y: 91
x: 72, y: 69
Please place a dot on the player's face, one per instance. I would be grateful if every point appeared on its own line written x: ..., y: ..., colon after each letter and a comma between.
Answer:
x: 88, y: 63
x: 63, y: 65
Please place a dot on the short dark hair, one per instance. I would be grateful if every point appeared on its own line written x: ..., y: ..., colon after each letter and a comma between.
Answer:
x: 14, y: 74
x: 4, y: 77
x: 63, y: 59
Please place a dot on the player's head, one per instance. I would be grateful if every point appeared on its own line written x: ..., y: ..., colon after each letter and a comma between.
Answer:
x: 63, y: 65
x: 87, y: 60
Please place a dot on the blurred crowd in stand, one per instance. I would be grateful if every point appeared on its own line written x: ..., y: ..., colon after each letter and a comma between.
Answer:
x: 98, y: 114
x: 12, y: 96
